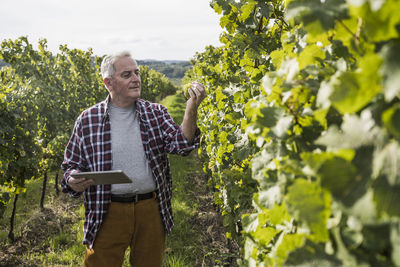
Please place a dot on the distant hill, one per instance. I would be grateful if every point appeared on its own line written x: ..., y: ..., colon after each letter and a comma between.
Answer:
x: 174, y: 69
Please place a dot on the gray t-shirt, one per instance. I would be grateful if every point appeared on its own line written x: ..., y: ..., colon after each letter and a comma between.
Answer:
x: 128, y: 152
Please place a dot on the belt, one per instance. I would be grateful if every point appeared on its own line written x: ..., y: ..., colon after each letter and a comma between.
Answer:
x: 131, y: 198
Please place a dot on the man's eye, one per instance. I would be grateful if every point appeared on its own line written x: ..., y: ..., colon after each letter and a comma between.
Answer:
x: 126, y: 74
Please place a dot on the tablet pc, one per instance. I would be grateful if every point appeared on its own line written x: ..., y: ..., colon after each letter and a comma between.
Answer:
x: 104, y: 177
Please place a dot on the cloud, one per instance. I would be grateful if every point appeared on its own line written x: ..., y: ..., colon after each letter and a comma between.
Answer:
x: 158, y: 29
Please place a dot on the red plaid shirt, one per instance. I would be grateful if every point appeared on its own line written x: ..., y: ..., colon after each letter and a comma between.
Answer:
x: 89, y: 149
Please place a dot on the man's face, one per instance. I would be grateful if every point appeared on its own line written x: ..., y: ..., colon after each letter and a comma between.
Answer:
x: 125, y: 85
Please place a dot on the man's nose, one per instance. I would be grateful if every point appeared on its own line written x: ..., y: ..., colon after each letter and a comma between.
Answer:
x: 135, y: 77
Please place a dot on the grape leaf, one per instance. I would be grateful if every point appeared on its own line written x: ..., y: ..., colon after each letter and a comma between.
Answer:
x: 339, y: 176
x: 312, y: 205
x: 264, y: 235
x: 355, y: 89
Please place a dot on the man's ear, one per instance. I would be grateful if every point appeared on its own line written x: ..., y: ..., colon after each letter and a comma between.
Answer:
x: 108, y: 83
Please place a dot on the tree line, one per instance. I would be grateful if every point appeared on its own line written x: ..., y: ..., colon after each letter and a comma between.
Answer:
x: 171, y: 69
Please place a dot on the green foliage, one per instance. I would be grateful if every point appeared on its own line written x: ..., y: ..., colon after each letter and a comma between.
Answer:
x: 301, y: 129
x: 41, y: 94
x: 20, y: 152
x: 155, y: 86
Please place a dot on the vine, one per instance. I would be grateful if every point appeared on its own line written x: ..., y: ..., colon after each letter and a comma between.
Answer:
x: 303, y: 147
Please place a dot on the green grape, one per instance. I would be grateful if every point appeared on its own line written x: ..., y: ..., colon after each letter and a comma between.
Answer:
x: 185, y: 90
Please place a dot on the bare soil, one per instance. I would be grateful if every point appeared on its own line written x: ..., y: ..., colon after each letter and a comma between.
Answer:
x: 213, y: 240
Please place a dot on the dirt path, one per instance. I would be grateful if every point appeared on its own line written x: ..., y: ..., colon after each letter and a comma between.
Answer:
x: 216, y: 247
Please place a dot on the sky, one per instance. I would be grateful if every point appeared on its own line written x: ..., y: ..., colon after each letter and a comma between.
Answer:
x: 149, y: 29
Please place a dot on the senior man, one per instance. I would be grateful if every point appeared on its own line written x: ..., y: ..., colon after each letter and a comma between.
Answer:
x: 125, y: 132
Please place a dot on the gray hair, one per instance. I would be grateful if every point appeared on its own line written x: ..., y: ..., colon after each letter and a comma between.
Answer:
x: 107, y: 65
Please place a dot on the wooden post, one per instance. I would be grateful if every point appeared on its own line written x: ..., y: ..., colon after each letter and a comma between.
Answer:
x: 43, y: 191
x: 12, y: 219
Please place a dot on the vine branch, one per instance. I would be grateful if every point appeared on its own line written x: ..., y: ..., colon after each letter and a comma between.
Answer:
x: 356, y: 35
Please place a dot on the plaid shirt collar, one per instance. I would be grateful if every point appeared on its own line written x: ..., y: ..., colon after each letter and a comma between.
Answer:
x: 138, y: 105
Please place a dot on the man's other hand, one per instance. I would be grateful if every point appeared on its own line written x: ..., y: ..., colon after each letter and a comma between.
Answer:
x: 197, y: 94
x: 79, y: 184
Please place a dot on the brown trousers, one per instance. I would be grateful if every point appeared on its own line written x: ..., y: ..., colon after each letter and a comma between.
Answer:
x: 126, y: 224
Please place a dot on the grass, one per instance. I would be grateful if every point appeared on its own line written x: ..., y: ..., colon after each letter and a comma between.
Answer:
x: 176, y: 106
x: 182, y: 242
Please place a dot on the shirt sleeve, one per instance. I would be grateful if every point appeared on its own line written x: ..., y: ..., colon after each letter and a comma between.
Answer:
x: 72, y: 159
x: 176, y: 142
